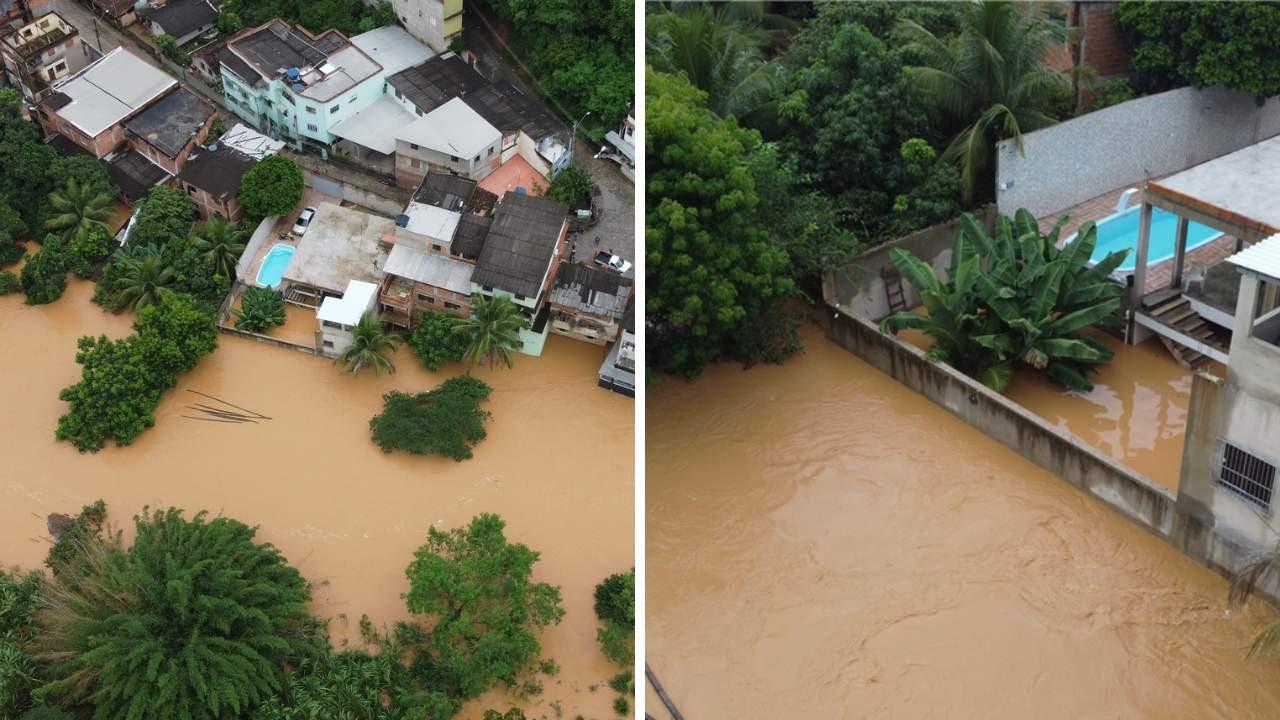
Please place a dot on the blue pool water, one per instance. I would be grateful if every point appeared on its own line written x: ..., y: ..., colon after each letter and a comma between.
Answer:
x: 1120, y: 232
x: 273, y: 265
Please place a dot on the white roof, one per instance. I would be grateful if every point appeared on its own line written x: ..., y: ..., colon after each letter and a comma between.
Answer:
x: 453, y: 129
x: 347, y: 309
x: 392, y: 48
x: 431, y: 268
x: 1261, y: 257
x: 431, y: 221
x: 375, y: 127
x: 343, y: 70
x: 250, y: 142
x: 111, y: 89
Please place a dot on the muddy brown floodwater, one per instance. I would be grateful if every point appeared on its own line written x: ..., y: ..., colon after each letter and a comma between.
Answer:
x: 822, y: 542
x: 557, y: 465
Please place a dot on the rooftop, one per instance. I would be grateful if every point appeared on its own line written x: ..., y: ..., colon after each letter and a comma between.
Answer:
x: 376, y: 126
x: 1262, y: 258
x: 392, y: 48
x: 182, y: 17
x: 1234, y: 193
x: 468, y: 241
x: 348, y: 309
x: 134, y: 174
x: 436, y: 81
x: 452, y: 129
x: 170, y: 123
x: 432, y: 222
x: 109, y: 90
x: 327, y: 64
x: 431, y: 268
x: 217, y: 172
x: 451, y: 192
x: 37, y: 36
x: 591, y: 290
x: 341, y: 245
x: 521, y: 244
x: 250, y: 142
x: 509, y: 110
x: 515, y: 173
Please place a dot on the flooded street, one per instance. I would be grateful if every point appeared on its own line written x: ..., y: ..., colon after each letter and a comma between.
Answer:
x: 822, y: 542
x: 557, y: 466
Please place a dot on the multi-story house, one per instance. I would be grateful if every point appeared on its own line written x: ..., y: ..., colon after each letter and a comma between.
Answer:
x: 298, y: 87
x: 183, y: 20
x: 40, y: 53
x: 588, y: 303
x: 166, y: 132
x: 435, y: 22
x: 453, y: 138
x: 91, y: 107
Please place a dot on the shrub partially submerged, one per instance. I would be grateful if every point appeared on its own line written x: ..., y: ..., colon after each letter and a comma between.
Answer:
x: 445, y: 421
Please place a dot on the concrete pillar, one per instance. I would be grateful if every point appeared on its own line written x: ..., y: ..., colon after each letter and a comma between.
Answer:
x: 1246, y: 310
x: 1196, y: 481
x: 1139, y: 278
x: 1180, y: 252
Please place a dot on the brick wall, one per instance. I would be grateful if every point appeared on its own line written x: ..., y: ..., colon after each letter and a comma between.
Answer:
x: 1105, y: 48
x: 209, y: 205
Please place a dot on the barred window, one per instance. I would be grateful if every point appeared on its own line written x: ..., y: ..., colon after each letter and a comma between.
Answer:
x: 1247, y: 475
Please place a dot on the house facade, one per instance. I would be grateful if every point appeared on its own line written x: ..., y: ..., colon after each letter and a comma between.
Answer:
x: 38, y: 54
x: 211, y: 178
x: 453, y: 138
x: 434, y: 22
x: 588, y: 303
x: 91, y: 107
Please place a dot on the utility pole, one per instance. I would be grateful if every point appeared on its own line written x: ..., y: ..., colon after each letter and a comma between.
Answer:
x: 574, y: 135
x: 97, y: 35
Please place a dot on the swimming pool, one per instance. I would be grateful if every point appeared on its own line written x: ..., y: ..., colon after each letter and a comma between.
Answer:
x: 273, y: 265
x: 1120, y: 232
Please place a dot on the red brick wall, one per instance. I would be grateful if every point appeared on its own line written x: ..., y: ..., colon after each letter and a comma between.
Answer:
x: 1105, y: 48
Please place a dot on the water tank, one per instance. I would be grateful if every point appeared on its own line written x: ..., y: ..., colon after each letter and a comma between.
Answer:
x: 213, y: 147
x: 297, y: 87
x: 521, y: 190
x: 402, y: 220
x: 292, y: 74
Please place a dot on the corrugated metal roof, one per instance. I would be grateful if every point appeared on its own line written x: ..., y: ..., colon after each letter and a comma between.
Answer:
x: 376, y: 126
x: 110, y: 90
x: 453, y: 129
x: 392, y: 48
x: 348, y: 309
x: 431, y: 268
x: 1262, y: 258
x: 521, y: 244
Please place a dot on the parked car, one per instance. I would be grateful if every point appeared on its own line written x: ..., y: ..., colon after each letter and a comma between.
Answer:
x: 608, y: 260
x: 304, y: 220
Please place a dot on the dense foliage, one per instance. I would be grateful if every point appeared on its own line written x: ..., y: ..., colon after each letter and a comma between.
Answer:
x: 352, y: 684
x: 44, y: 276
x: 220, y: 243
x: 474, y: 589
x: 260, y: 309
x: 9, y: 283
x: 89, y: 249
x: 123, y: 380
x: 66, y: 554
x: 193, y: 620
x: 19, y: 598
x: 615, y: 606
x: 492, y: 330
x: 445, y: 421
x: 348, y: 16
x: 581, y: 55
x: 1204, y: 43
x: 272, y: 187
x: 1013, y: 297
x: 369, y: 340
x: 570, y: 186
x: 168, y: 46
x: 434, y: 341
x: 712, y: 270
x: 80, y: 208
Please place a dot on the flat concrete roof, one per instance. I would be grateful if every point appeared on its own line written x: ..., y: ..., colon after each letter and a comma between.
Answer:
x: 376, y: 126
x: 1235, y: 193
x: 453, y: 129
x: 341, y: 245
x: 392, y: 48
x: 111, y: 89
x: 347, y: 309
x: 431, y: 221
x: 1262, y: 258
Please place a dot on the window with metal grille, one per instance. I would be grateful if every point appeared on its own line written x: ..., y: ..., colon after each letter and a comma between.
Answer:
x: 1247, y: 475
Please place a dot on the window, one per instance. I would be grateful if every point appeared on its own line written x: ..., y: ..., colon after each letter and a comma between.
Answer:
x: 353, y: 99
x: 399, y: 95
x: 312, y: 128
x: 415, y: 163
x: 453, y: 159
x: 487, y: 288
x: 287, y: 97
x: 519, y: 297
x: 335, y: 108
x: 60, y: 66
x: 437, y: 248
x: 1247, y: 475
x: 413, y: 146
x: 477, y: 158
x: 191, y: 189
x: 311, y: 110
x: 426, y: 299
x: 490, y: 152
x: 453, y: 306
x: 331, y: 324
x: 419, y: 111
x: 328, y: 344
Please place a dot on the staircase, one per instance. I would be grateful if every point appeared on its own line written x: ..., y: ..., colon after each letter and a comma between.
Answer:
x: 893, y: 289
x: 1170, y: 308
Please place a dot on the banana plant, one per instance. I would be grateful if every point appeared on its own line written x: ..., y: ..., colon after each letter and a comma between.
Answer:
x: 1013, y: 297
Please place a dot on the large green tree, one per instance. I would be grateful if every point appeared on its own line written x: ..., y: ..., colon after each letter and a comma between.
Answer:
x: 193, y: 620
x: 492, y: 330
x: 713, y: 274
x: 615, y: 606
x: 272, y: 187
x: 475, y: 591
x: 1014, y: 298
x: 434, y: 341
x: 991, y: 79
x: 1203, y: 44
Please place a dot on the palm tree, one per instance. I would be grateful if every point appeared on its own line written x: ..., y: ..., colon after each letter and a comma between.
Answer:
x: 991, y: 78
x: 719, y: 52
x: 145, y: 278
x: 492, y: 331
x: 220, y: 243
x: 1258, y: 570
x: 369, y: 339
x: 79, y: 207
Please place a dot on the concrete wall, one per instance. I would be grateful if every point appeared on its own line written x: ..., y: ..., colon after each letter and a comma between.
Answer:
x: 1133, y: 496
x: 261, y: 235
x: 365, y: 190
x: 858, y: 288
x: 1126, y: 144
